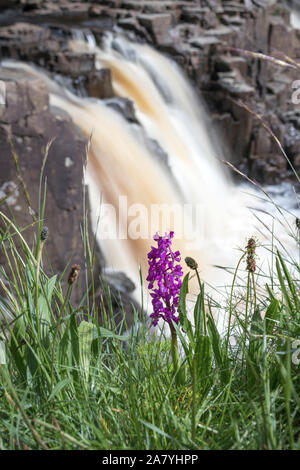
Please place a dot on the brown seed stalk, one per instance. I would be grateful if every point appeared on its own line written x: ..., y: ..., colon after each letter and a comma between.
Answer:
x: 251, y: 263
x: 74, y: 273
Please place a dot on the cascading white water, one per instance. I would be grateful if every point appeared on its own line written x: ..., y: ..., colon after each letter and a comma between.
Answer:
x: 295, y: 19
x: 121, y: 164
x: 172, y: 114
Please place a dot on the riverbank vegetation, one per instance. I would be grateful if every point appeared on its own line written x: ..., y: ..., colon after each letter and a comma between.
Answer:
x: 68, y: 383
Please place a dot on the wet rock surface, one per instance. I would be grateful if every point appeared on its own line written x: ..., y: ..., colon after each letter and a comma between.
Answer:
x: 27, y: 125
x: 202, y: 36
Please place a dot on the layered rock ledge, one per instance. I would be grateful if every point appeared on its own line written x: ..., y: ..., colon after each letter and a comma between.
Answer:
x: 202, y: 36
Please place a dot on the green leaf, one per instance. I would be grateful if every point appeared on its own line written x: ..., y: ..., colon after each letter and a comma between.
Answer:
x: 64, y: 351
x: 17, y: 350
x: 219, y: 354
x: 256, y: 327
x: 187, y: 347
x: 283, y: 288
x: 58, y: 387
x: 290, y: 282
x: 272, y: 314
x: 183, y: 319
x: 155, y: 429
x: 199, y: 313
x: 255, y: 347
x: 182, y: 299
x: 49, y: 288
x: 203, y: 356
x: 105, y: 333
x: 74, y: 339
x: 85, y: 335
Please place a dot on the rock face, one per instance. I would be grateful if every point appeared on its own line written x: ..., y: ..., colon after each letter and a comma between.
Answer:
x: 203, y: 37
x: 28, y: 124
x: 99, y: 84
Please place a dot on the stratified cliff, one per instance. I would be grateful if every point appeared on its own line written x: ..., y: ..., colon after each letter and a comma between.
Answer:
x: 200, y: 36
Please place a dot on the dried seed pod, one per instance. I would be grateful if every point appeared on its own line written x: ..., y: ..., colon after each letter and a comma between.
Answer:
x: 74, y: 273
x: 44, y: 233
x: 251, y: 263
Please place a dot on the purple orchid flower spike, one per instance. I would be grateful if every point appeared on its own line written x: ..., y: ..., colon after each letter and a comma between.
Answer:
x: 164, y: 279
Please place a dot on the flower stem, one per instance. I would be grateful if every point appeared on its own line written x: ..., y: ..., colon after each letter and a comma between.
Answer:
x: 231, y: 298
x: 204, y: 313
x: 246, y: 314
x: 194, y: 391
x: 175, y: 354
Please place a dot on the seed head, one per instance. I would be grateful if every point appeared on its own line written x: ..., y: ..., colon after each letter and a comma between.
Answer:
x: 74, y: 273
x: 191, y: 263
x: 251, y: 263
x: 44, y: 233
x: 297, y: 221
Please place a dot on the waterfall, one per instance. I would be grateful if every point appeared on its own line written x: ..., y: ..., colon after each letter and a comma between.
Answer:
x: 128, y: 180
x: 170, y: 112
x: 295, y: 18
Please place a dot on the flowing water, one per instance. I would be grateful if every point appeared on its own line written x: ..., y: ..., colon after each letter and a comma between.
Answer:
x: 124, y: 170
x: 295, y: 19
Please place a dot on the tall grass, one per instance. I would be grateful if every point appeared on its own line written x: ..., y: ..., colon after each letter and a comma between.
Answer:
x: 69, y: 383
